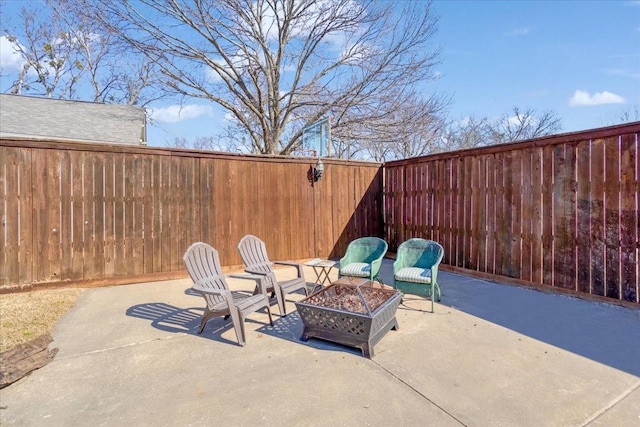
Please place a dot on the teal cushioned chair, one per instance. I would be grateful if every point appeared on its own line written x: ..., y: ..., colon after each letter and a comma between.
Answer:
x: 363, y: 258
x: 415, y: 270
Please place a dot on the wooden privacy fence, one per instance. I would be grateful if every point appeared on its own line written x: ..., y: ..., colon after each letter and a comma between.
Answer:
x: 115, y: 214
x: 560, y: 211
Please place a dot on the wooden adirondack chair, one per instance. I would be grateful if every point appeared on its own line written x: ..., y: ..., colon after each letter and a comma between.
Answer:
x: 415, y: 270
x: 254, y: 255
x: 363, y: 258
x: 203, y: 264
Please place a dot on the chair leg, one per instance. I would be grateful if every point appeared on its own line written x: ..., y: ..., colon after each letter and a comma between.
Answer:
x: 205, y: 318
x: 269, y: 313
x: 433, y: 293
x: 238, y: 324
x: 202, y: 323
x: 280, y: 296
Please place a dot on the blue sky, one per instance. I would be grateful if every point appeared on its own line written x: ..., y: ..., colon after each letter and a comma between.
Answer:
x: 580, y: 59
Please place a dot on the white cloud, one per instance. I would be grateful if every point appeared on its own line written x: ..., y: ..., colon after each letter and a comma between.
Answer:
x: 10, y: 58
x: 519, y: 31
x: 582, y: 98
x: 177, y: 113
x: 623, y: 73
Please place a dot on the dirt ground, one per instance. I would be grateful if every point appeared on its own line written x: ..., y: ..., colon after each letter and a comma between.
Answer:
x: 27, y: 315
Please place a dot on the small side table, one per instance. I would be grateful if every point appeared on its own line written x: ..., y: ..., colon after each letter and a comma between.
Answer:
x: 322, y: 268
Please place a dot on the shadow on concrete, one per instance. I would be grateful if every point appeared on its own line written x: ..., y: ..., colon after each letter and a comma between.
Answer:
x: 289, y: 328
x: 605, y: 333
x: 169, y: 318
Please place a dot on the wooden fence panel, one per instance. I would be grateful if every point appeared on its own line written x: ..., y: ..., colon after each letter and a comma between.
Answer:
x: 16, y: 225
x: 74, y: 212
x: 560, y: 211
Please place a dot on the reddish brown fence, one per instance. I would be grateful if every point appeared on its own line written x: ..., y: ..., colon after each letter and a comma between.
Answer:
x: 560, y: 211
x: 77, y: 212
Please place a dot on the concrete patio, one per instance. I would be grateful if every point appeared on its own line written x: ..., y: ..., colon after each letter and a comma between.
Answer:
x: 490, y: 355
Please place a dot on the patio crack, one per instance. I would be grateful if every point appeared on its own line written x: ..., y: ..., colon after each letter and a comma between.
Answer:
x: 611, y: 404
x: 419, y: 393
x: 104, y: 350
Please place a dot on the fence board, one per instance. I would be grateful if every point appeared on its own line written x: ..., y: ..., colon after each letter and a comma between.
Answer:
x: 597, y: 219
x: 66, y: 229
x: 491, y: 214
x: 97, y: 268
x: 547, y: 217
x: 502, y: 234
x: 612, y: 217
x: 77, y: 207
x: 564, y: 216
x: 456, y: 210
x: 146, y: 212
x: 526, y: 209
x: 514, y: 183
x: 629, y: 220
x: 583, y: 206
x: 537, y: 274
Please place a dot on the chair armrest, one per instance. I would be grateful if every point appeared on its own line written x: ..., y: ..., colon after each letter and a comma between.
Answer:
x: 256, y: 271
x: 375, y: 266
x: 198, y: 287
x: 397, y: 265
x: 297, y: 265
x: 258, y: 278
x: 434, y: 273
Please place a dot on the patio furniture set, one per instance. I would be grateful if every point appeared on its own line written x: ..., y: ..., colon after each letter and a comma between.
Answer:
x: 356, y: 310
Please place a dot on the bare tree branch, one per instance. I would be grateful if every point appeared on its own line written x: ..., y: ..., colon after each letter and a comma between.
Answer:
x: 279, y: 65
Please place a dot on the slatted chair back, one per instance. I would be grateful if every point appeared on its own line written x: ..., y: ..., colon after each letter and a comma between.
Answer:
x: 253, y: 252
x: 203, y: 264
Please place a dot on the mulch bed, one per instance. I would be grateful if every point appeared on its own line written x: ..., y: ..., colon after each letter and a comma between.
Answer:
x: 22, y: 359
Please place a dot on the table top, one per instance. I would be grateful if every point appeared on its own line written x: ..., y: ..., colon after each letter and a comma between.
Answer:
x: 321, y: 263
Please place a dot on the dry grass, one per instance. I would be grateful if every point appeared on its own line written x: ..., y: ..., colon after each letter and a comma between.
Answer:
x: 25, y: 316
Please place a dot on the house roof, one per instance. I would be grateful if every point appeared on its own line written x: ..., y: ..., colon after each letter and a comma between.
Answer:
x: 27, y: 116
